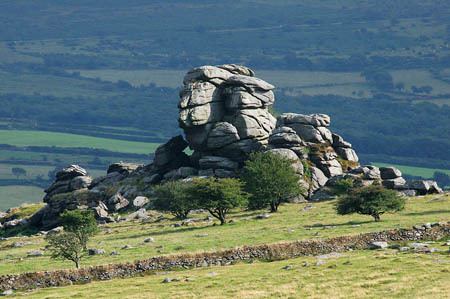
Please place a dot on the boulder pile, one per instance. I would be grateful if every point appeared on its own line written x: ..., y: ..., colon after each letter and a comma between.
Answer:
x: 224, y: 112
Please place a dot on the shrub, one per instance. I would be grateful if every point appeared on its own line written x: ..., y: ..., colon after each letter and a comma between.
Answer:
x: 343, y: 186
x: 175, y: 197
x: 370, y: 200
x: 270, y: 179
x: 219, y: 196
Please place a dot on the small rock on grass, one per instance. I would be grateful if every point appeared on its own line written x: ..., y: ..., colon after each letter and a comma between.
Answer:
x: 288, y: 267
x: 149, y: 240
x: 7, y: 293
x: 378, y: 245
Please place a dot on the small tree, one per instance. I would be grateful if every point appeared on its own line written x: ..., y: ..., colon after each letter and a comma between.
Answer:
x: 81, y: 223
x: 219, y: 196
x: 370, y: 200
x: 66, y: 246
x: 271, y: 180
x: 175, y: 197
x: 18, y: 171
x: 71, y: 244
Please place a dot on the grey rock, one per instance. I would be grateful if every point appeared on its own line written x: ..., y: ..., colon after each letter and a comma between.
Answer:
x: 285, y: 153
x: 149, y: 240
x: 409, y: 192
x: 201, y: 115
x: 347, y: 154
x: 285, y: 135
x: 397, y: 183
x: 378, y: 245
x: 94, y: 251
x: 316, y: 120
x: 171, y: 154
x: 140, y: 201
x: 240, y: 98
x: 262, y: 216
x: 117, y: 202
x: 424, y: 187
x: 216, y: 162
x: 7, y: 293
x: 122, y: 168
x: 206, y: 73
x: 70, y: 172
x: 140, y: 214
x: 389, y: 173
x: 35, y: 253
x: 318, y: 178
x: 198, y: 94
x: 237, y: 69
x: 338, y: 141
x: 80, y: 182
x: 181, y: 173
x: 307, y: 133
x: 249, y: 82
x: 368, y: 172
x: 252, y: 123
x: 222, y: 134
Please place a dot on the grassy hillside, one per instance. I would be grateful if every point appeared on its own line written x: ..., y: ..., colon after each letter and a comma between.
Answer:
x: 359, y: 274
x: 293, y: 222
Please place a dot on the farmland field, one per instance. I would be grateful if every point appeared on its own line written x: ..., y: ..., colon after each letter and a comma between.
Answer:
x: 14, y: 196
x: 414, y: 171
x: 41, y: 138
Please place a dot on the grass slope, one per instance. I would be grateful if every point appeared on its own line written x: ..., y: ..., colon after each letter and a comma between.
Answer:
x: 292, y: 222
x: 43, y: 138
x: 359, y: 274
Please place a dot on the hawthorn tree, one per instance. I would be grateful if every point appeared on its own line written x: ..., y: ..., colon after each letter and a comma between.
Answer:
x: 270, y: 180
x: 370, y: 200
x: 219, y: 196
x: 71, y: 244
x: 175, y: 197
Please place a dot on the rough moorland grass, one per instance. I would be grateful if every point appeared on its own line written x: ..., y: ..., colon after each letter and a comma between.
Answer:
x: 43, y: 138
x: 412, y: 170
x: 292, y: 222
x: 358, y: 274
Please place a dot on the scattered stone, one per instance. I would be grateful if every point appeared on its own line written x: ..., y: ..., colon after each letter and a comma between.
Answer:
x: 288, y: 267
x: 114, y: 253
x: 7, y: 293
x: 378, y: 245
x: 403, y: 248
x: 262, y: 216
x: 140, y: 201
x: 94, y: 251
x: 127, y: 247
x: 149, y: 240
x: 35, y: 253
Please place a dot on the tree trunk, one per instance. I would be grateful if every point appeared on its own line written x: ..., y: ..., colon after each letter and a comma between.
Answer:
x: 273, y: 207
x: 376, y: 217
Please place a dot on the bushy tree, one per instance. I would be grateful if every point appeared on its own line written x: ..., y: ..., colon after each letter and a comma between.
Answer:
x: 370, y: 200
x: 175, y: 197
x: 270, y: 179
x: 81, y: 223
x: 71, y: 244
x: 219, y: 196
x: 343, y: 186
x: 18, y: 171
x: 66, y: 246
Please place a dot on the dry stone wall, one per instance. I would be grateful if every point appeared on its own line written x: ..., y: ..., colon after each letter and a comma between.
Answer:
x: 265, y: 252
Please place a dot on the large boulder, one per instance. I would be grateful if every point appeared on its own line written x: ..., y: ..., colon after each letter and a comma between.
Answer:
x: 390, y: 173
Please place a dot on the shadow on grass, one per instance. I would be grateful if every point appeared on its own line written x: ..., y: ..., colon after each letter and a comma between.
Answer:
x: 427, y: 213
x: 319, y: 225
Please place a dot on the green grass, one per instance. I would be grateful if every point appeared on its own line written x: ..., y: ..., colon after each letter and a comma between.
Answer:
x: 14, y: 196
x: 412, y: 170
x: 358, y: 274
x: 43, y: 138
x: 292, y: 222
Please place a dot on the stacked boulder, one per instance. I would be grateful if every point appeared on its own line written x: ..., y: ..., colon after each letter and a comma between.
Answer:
x: 67, y: 180
x: 325, y: 153
x: 224, y: 112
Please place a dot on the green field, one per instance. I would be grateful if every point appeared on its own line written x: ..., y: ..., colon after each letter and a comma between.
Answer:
x: 43, y: 138
x: 292, y: 222
x: 14, y: 196
x: 358, y: 274
x: 412, y: 170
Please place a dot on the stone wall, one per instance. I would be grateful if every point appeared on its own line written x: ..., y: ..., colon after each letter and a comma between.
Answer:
x: 278, y: 251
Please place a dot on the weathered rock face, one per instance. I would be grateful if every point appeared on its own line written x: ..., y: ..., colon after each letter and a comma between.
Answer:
x: 69, y: 179
x: 224, y: 111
